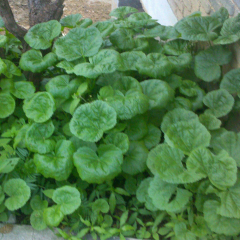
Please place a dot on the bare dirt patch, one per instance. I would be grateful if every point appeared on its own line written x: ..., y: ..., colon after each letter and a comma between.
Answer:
x: 97, y: 10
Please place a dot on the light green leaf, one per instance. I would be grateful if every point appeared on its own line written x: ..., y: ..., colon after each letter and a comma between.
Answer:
x: 135, y: 159
x: 231, y: 81
x: 71, y: 21
x: 7, y: 165
x: 210, y: 121
x: 142, y: 194
x: 161, y: 193
x: 167, y: 163
x: 219, y: 101
x: 105, y: 61
x: 105, y: 28
x: 68, y: 198
x: 129, y: 105
x: 228, y: 141
x: 159, y: 93
x: 38, y: 204
x: 53, y: 216
x: 18, y: 193
x: 12, y: 69
x: 141, y: 20
x: 23, y: 89
x: 37, y: 220
x: 188, y: 88
x: 7, y: 105
x: 61, y: 87
x: 176, y: 116
x: 222, y: 171
x: 91, y: 120
x: 40, y: 107
x: 217, y: 223
x: 98, y: 167
x: 100, y: 205
x: 187, y: 135
x: 208, y: 62
x: 230, y: 32
x: 37, y: 137
x: 153, y: 136
x: 155, y: 65
x: 58, y: 164
x: 198, y: 28
x: 34, y: 61
x: 123, y: 39
x: 121, y: 12
x: 79, y: 42
x: 176, y: 47
x: 130, y: 59
x: 41, y: 35
x: 119, y: 140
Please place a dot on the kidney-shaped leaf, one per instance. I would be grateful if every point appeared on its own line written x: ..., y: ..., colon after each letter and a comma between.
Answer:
x: 58, y: 164
x: 53, y: 216
x: 208, y: 62
x: 91, y: 120
x: 98, y: 167
x: 37, y: 137
x: 18, y: 192
x: 68, y: 198
x: 220, y: 102
x: 71, y: 21
x: 41, y: 35
x: 34, y: 61
x: 23, y: 89
x: 79, y: 42
x: 161, y: 193
x: 158, y: 92
x: 40, y: 107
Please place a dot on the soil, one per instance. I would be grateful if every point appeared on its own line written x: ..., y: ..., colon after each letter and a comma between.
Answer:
x: 95, y: 9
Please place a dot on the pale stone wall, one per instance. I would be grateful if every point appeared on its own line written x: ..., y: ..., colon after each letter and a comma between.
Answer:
x: 183, y: 8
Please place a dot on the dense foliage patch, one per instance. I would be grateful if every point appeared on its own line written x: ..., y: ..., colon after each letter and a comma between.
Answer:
x: 126, y: 133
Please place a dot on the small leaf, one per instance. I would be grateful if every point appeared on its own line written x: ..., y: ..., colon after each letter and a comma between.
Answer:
x: 37, y: 220
x: 18, y: 193
x: 41, y: 35
x: 53, y: 216
x: 219, y: 101
x: 7, y: 105
x: 68, y: 198
x: 121, y: 12
x: 23, y: 89
x: 100, y: 205
x: 71, y: 21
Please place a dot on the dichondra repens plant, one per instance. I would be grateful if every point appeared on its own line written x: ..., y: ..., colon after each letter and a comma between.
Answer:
x: 128, y: 132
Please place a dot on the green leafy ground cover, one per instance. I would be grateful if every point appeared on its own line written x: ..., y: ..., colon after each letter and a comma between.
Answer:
x: 125, y: 135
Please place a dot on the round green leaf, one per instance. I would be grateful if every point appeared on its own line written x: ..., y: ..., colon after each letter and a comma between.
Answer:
x: 121, y: 12
x: 159, y: 93
x: 91, y: 120
x: 37, y: 137
x: 100, y: 205
x: 123, y: 39
x: 208, y: 62
x: 18, y: 193
x: 68, y: 198
x: 23, y: 89
x: 188, y: 135
x: 217, y: 223
x: 58, y: 164
x: 79, y: 42
x: 38, y: 204
x: 33, y: 61
x: 41, y: 35
x: 71, y: 21
x: 7, y: 105
x: 167, y: 163
x: 175, y: 116
x: 98, y: 167
x: 135, y: 159
x: 198, y: 28
x: 40, y: 107
x: 37, y: 220
x: 53, y: 216
x: 210, y: 121
x: 119, y: 140
x: 7, y: 165
x: 161, y: 193
x: 219, y: 101
x: 231, y: 81
x: 188, y: 88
